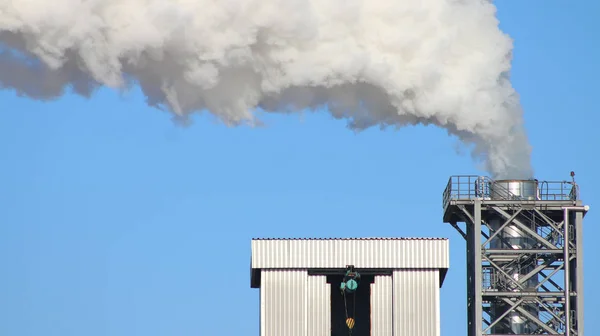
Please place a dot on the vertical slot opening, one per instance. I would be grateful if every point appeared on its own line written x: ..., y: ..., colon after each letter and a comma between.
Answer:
x: 358, y: 303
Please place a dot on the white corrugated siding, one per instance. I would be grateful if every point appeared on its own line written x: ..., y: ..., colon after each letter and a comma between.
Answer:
x: 362, y: 253
x: 381, y: 306
x: 416, y: 303
x: 318, y: 306
x: 294, y: 304
x: 283, y: 303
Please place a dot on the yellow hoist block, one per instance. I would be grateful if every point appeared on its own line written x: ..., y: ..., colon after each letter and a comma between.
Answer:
x: 350, y: 322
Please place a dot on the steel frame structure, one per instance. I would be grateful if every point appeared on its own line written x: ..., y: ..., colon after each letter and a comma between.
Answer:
x: 546, y: 295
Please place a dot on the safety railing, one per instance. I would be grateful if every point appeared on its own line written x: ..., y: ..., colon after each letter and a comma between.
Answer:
x: 467, y: 187
x: 558, y: 190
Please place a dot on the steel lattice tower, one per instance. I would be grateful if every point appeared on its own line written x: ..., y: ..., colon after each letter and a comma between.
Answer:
x: 522, y: 278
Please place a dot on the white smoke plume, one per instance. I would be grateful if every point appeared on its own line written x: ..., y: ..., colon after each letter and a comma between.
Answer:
x: 372, y: 62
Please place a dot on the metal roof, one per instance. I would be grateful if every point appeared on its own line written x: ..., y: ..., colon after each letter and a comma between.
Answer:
x: 337, y: 253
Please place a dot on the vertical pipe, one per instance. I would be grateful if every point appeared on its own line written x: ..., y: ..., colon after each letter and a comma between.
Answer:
x: 516, y: 238
x: 477, y: 269
x: 567, y: 266
x: 567, y: 273
x: 579, y: 273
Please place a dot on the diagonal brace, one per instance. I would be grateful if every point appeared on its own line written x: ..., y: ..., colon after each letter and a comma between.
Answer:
x: 498, y: 268
x: 549, y: 221
x: 526, y: 229
x: 466, y: 212
x: 531, y: 317
x: 496, y: 321
x: 462, y: 233
x: 550, y: 311
x: 508, y: 221
x: 537, y: 269
x: 548, y: 277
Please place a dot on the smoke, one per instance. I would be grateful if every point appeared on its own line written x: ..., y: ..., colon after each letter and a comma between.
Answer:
x: 371, y: 62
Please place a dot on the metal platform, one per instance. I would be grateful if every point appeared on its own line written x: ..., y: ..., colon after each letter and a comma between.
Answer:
x: 516, y: 252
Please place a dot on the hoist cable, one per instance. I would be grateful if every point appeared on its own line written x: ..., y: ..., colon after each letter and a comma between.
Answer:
x: 346, y: 311
x: 345, y: 305
x: 354, y: 306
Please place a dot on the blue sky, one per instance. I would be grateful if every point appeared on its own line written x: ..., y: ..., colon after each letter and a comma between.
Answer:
x: 117, y: 222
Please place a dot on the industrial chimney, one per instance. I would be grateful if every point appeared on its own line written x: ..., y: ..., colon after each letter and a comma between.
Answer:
x: 524, y: 254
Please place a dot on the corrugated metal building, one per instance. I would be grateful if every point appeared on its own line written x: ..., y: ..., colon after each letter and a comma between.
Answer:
x: 398, y: 293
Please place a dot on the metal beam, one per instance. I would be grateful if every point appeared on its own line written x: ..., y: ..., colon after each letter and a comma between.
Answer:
x: 579, y: 271
x: 567, y: 274
x: 522, y: 294
x: 523, y: 251
x: 531, y: 317
x: 508, y: 221
x: 548, y: 220
x: 526, y: 229
x: 544, y: 204
x: 550, y: 311
x: 547, y: 277
x: 466, y: 213
x: 462, y: 233
x: 537, y: 270
x: 497, y: 320
x: 498, y: 268
x: 477, y: 269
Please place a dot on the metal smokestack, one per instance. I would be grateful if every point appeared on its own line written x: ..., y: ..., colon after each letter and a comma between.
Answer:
x: 516, y: 238
x: 524, y: 254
